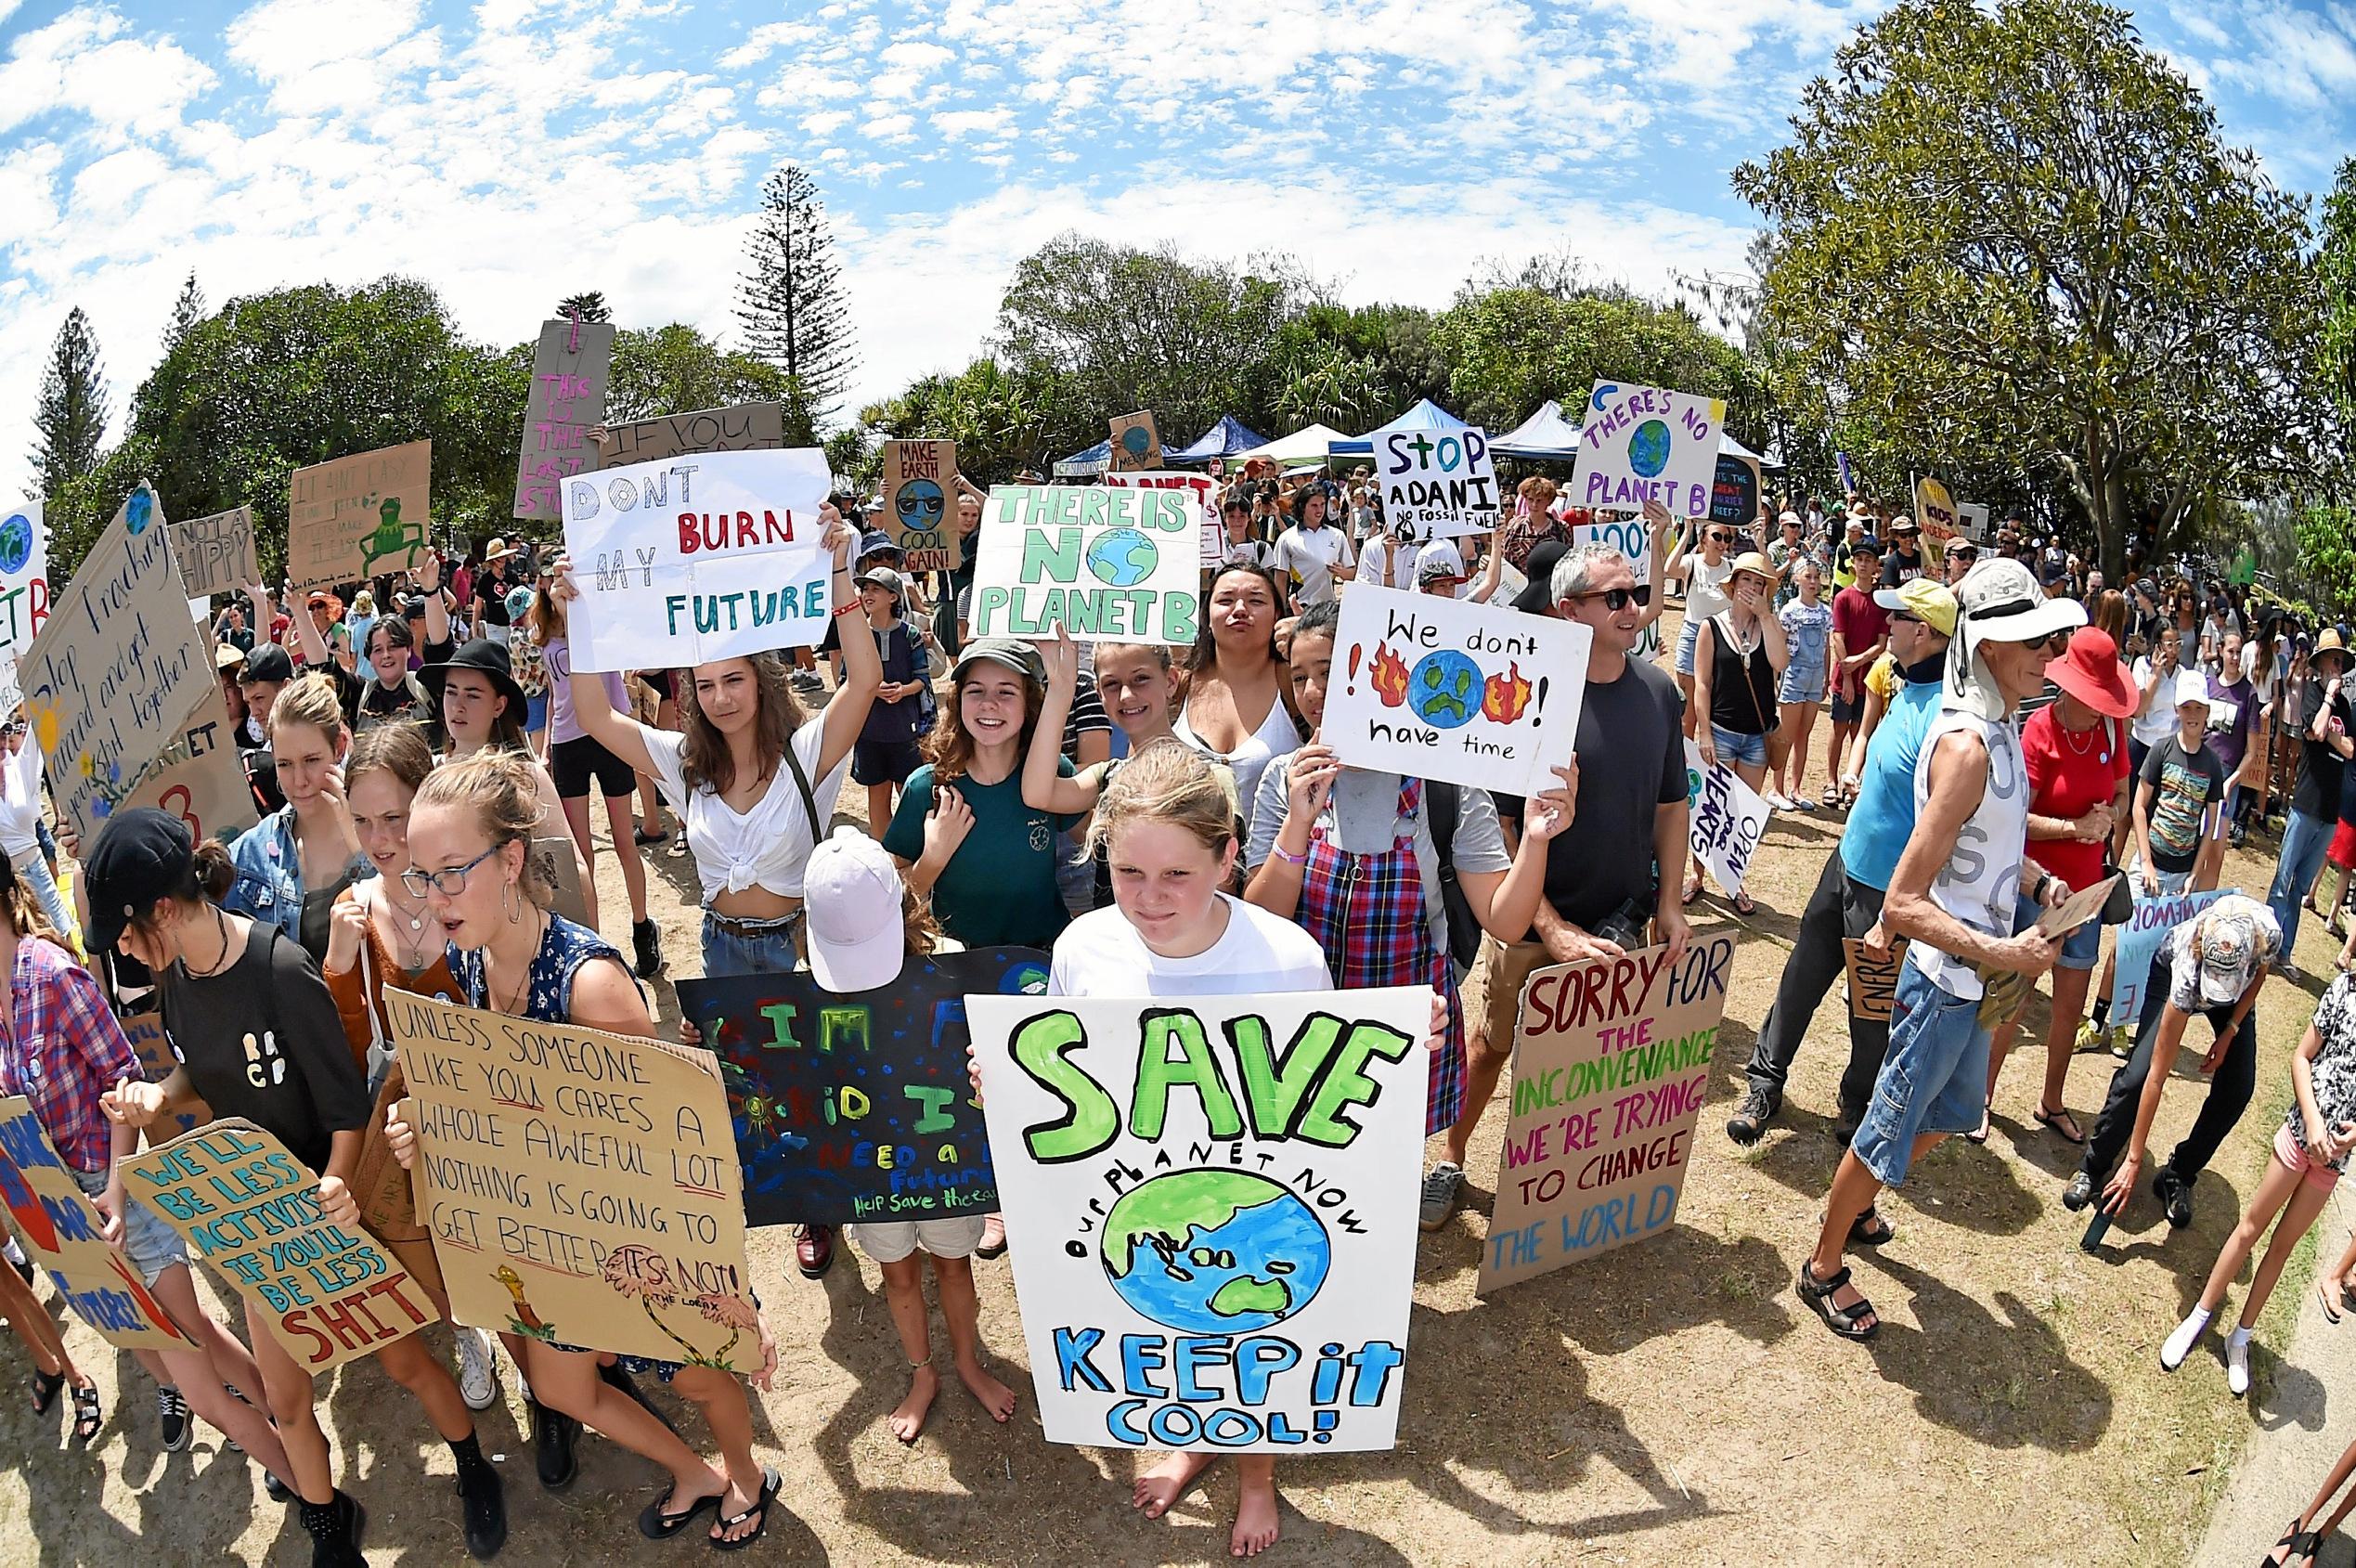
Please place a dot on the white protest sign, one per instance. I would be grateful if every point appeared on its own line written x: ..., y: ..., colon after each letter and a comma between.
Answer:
x: 1437, y: 688
x: 1105, y: 564
x: 1211, y: 1206
x: 1647, y: 444
x: 1436, y: 484
x: 1726, y: 819
x: 1204, y: 488
x: 24, y: 575
x: 690, y: 559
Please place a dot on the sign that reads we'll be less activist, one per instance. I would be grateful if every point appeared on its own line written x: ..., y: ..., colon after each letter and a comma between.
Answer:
x: 690, y: 559
x: 1116, y: 565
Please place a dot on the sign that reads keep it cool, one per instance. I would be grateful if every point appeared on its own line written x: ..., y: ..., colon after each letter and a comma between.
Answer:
x: 1107, y: 566
x: 1436, y: 484
x: 1647, y: 444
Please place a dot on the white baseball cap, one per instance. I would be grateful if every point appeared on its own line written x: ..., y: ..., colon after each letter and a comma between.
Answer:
x: 853, y: 892
x: 2191, y: 686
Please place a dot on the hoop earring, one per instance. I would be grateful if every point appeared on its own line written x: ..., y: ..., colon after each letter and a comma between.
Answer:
x: 511, y: 896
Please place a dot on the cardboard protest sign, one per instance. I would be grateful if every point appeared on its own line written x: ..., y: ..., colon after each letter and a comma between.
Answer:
x: 1935, y: 512
x: 158, y: 1061
x: 1136, y: 443
x: 570, y: 1176
x: 854, y: 1106
x: 557, y: 859
x: 1645, y: 444
x: 215, y: 554
x: 63, y: 1235
x: 1726, y: 819
x: 1734, y: 491
x: 918, y: 479
x: 331, y: 1293
x: 712, y: 556
x: 1436, y: 484
x: 1446, y: 689
x: 2078, y: 908
x: 1972, y: 518
x: 569, y: 368
x: 1873, y: 982
x: 1611, y: 1065
x: 1211, y: 1206
x: 360, y: 515
x: 2139, y: 942
x: 24, y: 576
x: 116, y: 666
x: 1105, y: 564
x: 1205, y: 490
x: 741, y: 427
x: 198, y: 778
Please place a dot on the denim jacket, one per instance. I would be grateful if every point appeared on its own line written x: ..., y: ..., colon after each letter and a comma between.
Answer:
x: 269, y: 874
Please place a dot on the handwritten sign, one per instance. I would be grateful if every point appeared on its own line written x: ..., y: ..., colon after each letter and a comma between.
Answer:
x: 1726, y: 819
x: 698, y: 558
x: 742, y: 427
x: 1446, y: 689
x: 215, y: 554
x: 360, y: 515
x: 1611, y: 1065
x: 1136, y: 444
x: 115, y: 667
x: 63, y: 1235
x: 1105, y: 564
x: 918, y: 477
x: 198, y: 778
x: 570, y: 366
x: 1645, y: 444
x: 331, y: 1293
x: 558, y: 861
x: 2139, y: 942
x: 1734, y: 491
x: 1436, y: 484
x: 1202, y: 487
x: 854, y: 1106
x: 158, y: 1061
x: 1872, y: 981
x: 581, y: 1188
x: 1210, y: 1250
x: 1936, y: 512
x: 24, y: 576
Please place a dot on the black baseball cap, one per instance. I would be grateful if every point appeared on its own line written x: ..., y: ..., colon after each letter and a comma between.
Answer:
x: 1538, y: 598
x: 268, y: 662
x: 141, y: 855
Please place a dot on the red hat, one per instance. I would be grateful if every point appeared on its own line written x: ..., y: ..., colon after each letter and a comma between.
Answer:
x: 2090, y: 672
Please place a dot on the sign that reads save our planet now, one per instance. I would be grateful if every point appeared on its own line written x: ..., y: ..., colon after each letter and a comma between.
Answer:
x: 1445, y: 689
x: 1212, y: 1224
x: 1645, y: 444
x: 690, y: 559
x: 1115, y: 566
x: 1436, y: 484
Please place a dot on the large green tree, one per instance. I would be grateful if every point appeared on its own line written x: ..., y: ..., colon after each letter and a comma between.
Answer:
x: 791, y: 303
x: 69, y: 420
x: 676, y: 370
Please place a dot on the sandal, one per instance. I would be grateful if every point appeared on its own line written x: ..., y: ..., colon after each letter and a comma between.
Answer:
x: 1871, y: 1228
x: 2331, y: 1308
x: 2053, y: 1121
x: 1691, y: 891
x: 772, y: 1482
x: 44, y: 1391
x: 2295, y: 1545
x: 1979, y: 1134
x: 656, y: 1525
x: 1819, y: 1294
x: 1745, y: 903
x: 88, y: 1416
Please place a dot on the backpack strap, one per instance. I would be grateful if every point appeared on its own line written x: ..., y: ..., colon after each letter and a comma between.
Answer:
x: 810, y: 801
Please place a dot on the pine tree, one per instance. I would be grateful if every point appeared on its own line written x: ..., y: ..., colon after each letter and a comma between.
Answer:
x: 71, y: 417
x: 186, y: 311
x: 591, y: 305
x: 791, y: 304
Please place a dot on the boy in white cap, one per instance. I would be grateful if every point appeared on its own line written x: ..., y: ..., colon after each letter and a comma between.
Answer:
x: 2181, y: 784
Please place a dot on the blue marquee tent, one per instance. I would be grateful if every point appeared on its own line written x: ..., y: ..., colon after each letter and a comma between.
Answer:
x: 1425, y: 415
x: 1227, y: 439
x: 1088, y: 462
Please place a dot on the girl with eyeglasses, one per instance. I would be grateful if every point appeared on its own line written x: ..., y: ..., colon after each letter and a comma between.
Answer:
x: 1707, y: 567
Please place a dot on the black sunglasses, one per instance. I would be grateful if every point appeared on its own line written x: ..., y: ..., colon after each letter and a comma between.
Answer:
x: 1903, y: 615
x: 1718, y: 536
x: 1618, y: 599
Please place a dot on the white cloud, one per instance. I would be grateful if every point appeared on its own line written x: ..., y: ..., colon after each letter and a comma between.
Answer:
x: 82, y: 63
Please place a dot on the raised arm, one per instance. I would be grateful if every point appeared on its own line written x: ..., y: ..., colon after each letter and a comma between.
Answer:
x: 1659, y: 527
x: 1043, y: 788
x: 437, y: 614
x: 862, y: 662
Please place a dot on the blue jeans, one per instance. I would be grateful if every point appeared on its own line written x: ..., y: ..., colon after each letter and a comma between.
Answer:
x: 1734, y: 746
x: 767, y: 950
x: 2304, y: 840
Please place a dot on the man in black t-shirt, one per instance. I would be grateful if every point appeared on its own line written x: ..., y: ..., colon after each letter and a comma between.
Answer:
x: 1904, y: 563
x: 2325, y: 746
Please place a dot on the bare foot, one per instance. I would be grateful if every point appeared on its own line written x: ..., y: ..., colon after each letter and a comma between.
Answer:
x: 1160, y: 1486
x: 1256, y: 1526
x: 995, y: 1396
x: 908, y: 1420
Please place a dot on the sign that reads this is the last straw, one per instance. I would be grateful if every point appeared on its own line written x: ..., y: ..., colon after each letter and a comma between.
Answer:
x: 1107, y: 566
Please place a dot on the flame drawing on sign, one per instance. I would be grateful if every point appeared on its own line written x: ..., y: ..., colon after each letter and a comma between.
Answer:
x: 1503, y: 697
x: 1389, y: 675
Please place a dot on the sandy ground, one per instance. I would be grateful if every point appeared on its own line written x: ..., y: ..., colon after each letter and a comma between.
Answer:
x: 1671, y: 1402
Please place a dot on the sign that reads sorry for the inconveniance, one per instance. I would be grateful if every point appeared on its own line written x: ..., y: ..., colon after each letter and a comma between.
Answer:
x: 1444, y: 689
x: 581, y: 1188
x: 62, y: 1236
x: 918, y: 479
x: 359, y: 516
x: 714, y: 556
x: 1105, y: 564
x: 329, y: 1291
x: 1436, y: 484
x: 854, y: 1106
x: 1611, y: 1065
x: 1647, y: 444
x: 1212, y: 1204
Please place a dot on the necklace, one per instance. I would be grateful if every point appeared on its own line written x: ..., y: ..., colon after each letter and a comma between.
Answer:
x: 221, y: 962
x: 410, y: 949
x: 513, y: 1005
x: 2078, y: 748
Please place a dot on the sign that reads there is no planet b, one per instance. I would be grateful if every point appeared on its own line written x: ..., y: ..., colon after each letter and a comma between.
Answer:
x: 1107, y: 566
x: 1647, y: 444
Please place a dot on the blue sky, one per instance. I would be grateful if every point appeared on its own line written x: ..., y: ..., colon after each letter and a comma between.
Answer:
x: 513, y: 151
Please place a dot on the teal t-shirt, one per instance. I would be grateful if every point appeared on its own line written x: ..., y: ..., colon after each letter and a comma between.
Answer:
x: 999, y: 889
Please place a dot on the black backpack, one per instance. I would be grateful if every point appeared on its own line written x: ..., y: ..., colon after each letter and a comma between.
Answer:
x: 1464, y: 930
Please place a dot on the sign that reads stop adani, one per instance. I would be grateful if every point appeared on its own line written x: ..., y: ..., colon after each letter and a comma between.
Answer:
x: 1107, y: 566
x: 1436, y: 484
x: 1647, y: 444
x: 690, y: 559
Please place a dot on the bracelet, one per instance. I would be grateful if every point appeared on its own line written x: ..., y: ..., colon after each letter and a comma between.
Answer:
x: 854, y: 607
x: 1289, y: 859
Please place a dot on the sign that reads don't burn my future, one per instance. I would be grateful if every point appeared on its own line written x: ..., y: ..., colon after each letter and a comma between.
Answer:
x: 1107, y: 566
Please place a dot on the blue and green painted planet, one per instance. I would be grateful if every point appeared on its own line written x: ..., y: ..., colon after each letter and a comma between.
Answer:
x: 1214, y: 1251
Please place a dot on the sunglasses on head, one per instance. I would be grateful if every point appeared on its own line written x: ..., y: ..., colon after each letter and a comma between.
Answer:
x: 1618, y: 599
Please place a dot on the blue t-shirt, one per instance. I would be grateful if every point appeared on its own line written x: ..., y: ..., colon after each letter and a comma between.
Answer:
x: 1882, y: 818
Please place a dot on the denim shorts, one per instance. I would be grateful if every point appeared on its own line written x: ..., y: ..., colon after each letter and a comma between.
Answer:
x: 1692, y: 629
x: 1735, y: 746
x: 151, y: 1245
x: 2082, y: 949
x: 1935, y: 1078
x: 768, y: 949
x: 1802, y: 683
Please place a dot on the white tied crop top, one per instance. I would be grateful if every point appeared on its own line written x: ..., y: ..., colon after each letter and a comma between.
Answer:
x: 766, y: 847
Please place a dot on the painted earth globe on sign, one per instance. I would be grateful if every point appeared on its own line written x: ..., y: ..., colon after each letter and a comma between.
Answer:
x: 1444, y: 689
x: 1122, y: 557
x: 1214, y: 1251
x: 1136, y: 441
x: 16, y: 542
x: 1649, y: 450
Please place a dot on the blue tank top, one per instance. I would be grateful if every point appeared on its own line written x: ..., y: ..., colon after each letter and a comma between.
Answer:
x: 562, y: 952
x: 1882, y: 818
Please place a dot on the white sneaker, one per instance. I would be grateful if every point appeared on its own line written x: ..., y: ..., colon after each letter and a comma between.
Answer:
x: 2179, y: 1343
x: 2237, y: 1365
x: 1777, y: 803
x: 478, y: 1373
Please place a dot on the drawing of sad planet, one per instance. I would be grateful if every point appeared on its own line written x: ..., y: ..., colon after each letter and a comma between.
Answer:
x: 1122, y: 557
x: 16, y: 542
x: 1214, y: 1251
x: 1649, y: 450
x: 1444, y: 689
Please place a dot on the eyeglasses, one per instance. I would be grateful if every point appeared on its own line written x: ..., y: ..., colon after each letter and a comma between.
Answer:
x: 450, y: 880
x: 1618, y: 599
x: 1719, y: 537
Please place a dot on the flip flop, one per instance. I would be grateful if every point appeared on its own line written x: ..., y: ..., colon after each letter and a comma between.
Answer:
x: 1691, y: 890
x: 2073, y: 1134
x: 656, y: 1525
x: 1745, y: 904
x: 44, y: 1391
x: 2331, y: 1309
x: 771, y: 1483
x: 1979, y: 1134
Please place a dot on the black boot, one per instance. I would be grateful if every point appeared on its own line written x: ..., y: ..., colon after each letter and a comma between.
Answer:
x: 649, y: 942
x: 483, y: 1499
x: 553, y: 1434
x: 335, y: 1532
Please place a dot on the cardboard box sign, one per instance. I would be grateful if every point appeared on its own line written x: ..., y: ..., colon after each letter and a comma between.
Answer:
x: 742, y: 427
x: 215, y: 554
x: 570, y: 366
x: 920, y: 503
x: 1136, y: 443
x: 358, y: 516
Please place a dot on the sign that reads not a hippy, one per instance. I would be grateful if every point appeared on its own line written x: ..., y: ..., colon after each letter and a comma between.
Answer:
x: 1107, y: 566
x: 215, y: 554
x: 570, y: 364
x: 1611, y: 1065
x: 1647, y: 444
x: 62, y: 1236
x: 1213, y: 1229
x: 713, y: 556
x: 358, y: 516
x: 1436, y: 484
x: 1437, y: 688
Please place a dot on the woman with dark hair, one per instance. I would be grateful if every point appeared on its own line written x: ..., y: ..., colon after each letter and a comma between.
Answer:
x: 1234, y: 707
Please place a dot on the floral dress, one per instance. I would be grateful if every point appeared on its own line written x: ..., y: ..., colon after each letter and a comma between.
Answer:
x: 2333, y: 1072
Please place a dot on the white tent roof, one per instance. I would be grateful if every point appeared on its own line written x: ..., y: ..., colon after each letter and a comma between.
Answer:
x: 1543, y: 434
x: 1733, y: 448
x: 1301, y: 445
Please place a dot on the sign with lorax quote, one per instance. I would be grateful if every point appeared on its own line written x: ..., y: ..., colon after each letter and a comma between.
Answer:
x: 61, y: 1233
x: 1211, y: 1207
x: 1611, y: 1064
x: 358, y: 516
x: 331, y: 1293
x: 581, y: 1188
x: 1116, y: 565
x: 918, y: 477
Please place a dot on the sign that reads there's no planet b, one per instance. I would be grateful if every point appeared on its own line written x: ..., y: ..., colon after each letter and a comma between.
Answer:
x: 694, y: 558
x: 1647, y: 444
x: 1107, y: 566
